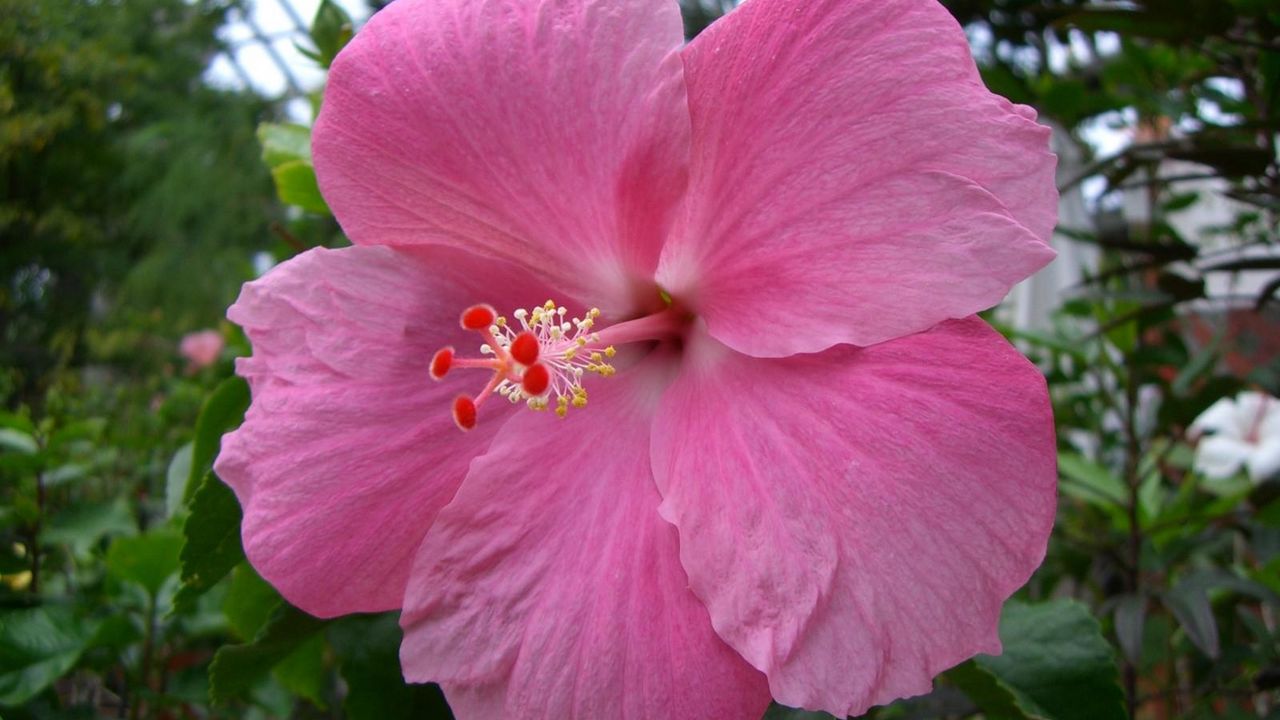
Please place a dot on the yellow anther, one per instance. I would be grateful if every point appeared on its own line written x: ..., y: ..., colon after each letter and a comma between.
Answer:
x: 610, y: 351
x: 568, y: 349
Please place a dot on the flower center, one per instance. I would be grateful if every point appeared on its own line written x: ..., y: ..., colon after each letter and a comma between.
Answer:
x: 542, y: 358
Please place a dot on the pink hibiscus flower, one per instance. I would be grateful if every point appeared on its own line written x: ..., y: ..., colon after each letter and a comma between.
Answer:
x: 805, y: 471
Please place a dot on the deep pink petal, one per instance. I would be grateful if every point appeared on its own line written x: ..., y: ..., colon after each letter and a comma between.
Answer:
x: 349, y: 448
x: 851, y: 177
x: 855, y: 519
x: 553, y: 134
x: 551, y: 588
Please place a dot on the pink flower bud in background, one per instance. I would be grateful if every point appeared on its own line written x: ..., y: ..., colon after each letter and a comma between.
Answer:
x: 201, y: 348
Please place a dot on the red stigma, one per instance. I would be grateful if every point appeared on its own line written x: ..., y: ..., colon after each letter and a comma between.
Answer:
x: 464, y: 412
x: 478, y: 317
x: 441, y: 362
x: 535, y: 380
x: 525, y: 348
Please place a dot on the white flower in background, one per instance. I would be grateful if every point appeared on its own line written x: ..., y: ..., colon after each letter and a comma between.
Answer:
x: 1240, y: 432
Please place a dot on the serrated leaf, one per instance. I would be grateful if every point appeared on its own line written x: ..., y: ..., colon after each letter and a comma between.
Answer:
x: 37, y: 646
x: 367, y: 648
x: 296, y: 185
x: 1055, y: 664
x: 222, y: 411
x: 235, y: 668
x: 147, y: 560
x: 212, y: 541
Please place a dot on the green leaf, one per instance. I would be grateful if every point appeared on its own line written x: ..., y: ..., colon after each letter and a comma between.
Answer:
x: 17, y: 422
x: 296, y: 185
x: 1189, y: 603
x: 303, y: 671
x: 37, y: 646
x: 236, y: 668
x: 1131, y: 619
x: 82, y: 526
x: 14, y: 440
x: 368, y: 655
x: 997, y: 700
x: 249, y: 602
x: 212, y: 541
x: 1181, y: 201
x: 147, y: 560
x: 284, y: 142
x: 1056, y: 665
x: 178, y: 481
x: 782, y: 712
x: 331, y: 30
x: 1090, y: 482
x: 222, y: 412
x: 64, y: 474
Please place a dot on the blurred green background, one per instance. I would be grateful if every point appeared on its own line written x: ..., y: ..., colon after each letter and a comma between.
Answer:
x: 146, y: 171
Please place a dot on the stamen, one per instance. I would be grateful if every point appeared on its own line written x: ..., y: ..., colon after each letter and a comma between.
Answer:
x: 541, y: 358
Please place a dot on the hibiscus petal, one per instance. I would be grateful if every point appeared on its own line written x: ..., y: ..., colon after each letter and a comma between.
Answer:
x: 1264, y: 463
x: 1220, y: 456
x: 852, y: 180
x: 551, y: 588
x: 553, y: 134
x: 855, y: 519
x: 1221, y: 418
x: 349, y: 449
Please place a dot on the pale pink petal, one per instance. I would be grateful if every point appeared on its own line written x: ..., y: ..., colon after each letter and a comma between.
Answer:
x: 851, y: 177
x: 553, y: 133
x: 1269, y: 427
x: 1221, y: 456
x: 349, y: 448
x: 550, y: 587
x: 1221, y: 417
x: 1264, y: 463
x: 855, y: 519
